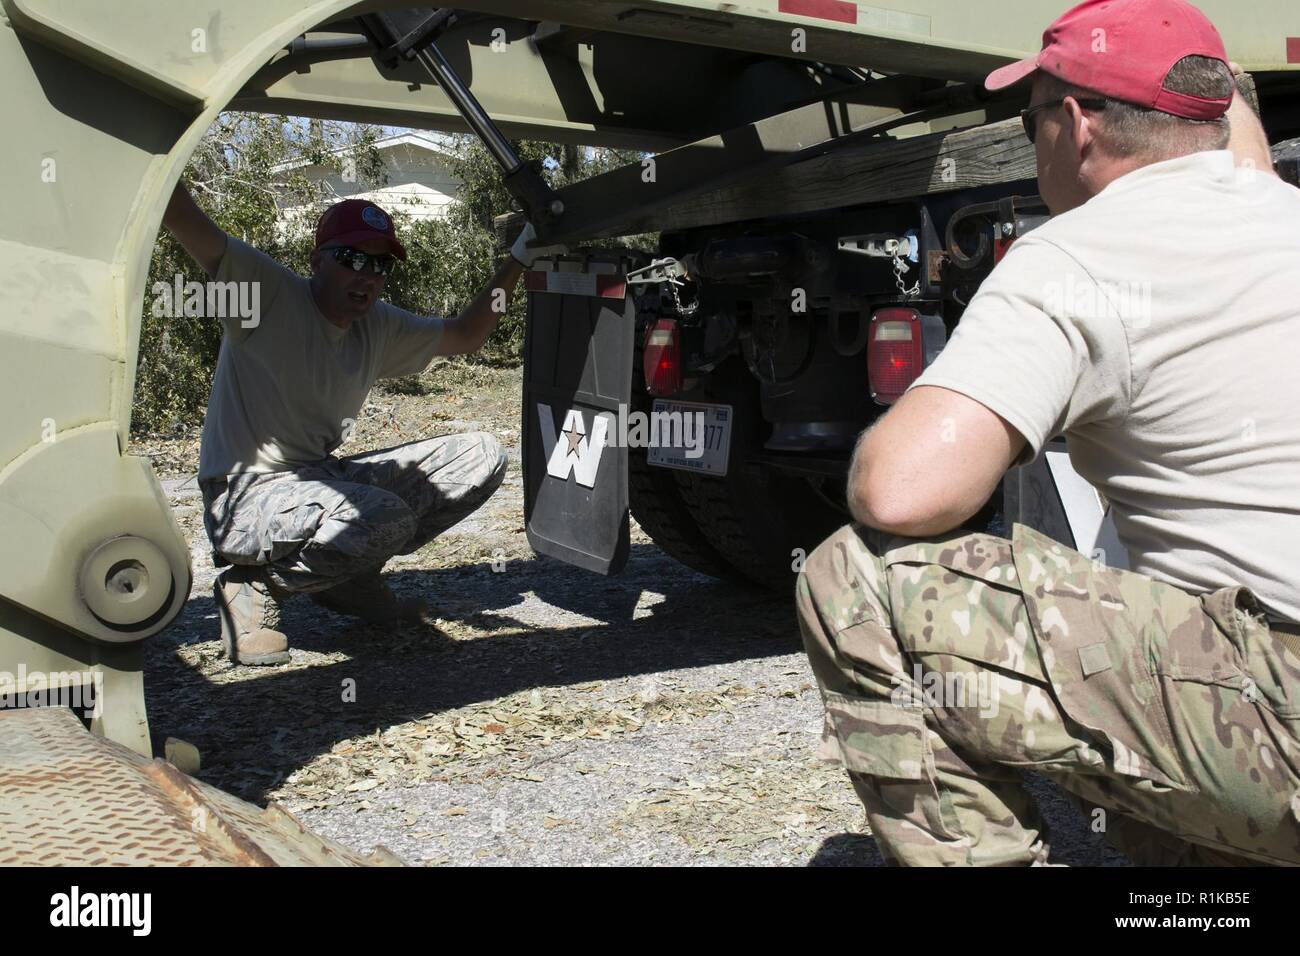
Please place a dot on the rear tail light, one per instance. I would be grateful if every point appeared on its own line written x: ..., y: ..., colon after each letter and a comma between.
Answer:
x: 662, y: 361
x: 895, y: 353
x: 1001, y: 246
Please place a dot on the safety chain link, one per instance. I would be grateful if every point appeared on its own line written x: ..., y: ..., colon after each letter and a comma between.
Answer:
x: 665, y: 271
x: 684, y: 311
x: 901, y: 267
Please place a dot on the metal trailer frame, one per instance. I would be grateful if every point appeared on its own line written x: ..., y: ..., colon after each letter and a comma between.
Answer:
x: 105, y: 102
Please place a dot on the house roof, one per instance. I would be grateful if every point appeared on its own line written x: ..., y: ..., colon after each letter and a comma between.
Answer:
x: 436, y: 143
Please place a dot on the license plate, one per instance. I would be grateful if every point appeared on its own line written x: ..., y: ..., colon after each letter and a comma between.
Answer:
x: 690, y: 436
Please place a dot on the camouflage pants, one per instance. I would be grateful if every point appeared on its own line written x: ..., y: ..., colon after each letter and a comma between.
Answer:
x: 947, y: 666
x: 321, y: 524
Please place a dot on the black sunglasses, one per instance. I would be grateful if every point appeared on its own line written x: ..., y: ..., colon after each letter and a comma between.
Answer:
x: 357, y: 260
x: 1029, y: 117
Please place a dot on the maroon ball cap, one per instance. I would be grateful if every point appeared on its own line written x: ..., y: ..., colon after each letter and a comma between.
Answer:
x: 1124, y: 49
x: 353, y: 221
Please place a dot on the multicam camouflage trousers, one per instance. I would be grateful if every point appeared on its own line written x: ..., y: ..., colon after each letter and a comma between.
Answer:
x: 947, y: 666
x: 324, y: 523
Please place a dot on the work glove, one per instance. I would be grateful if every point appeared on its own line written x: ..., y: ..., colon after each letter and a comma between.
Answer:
x: 526, y: 256
x: 1246, y: 86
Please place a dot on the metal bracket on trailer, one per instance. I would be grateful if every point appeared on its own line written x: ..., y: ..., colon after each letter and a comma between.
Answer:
x: 410, y: 35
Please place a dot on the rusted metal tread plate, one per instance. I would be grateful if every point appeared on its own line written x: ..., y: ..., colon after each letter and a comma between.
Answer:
x: 68, y: 797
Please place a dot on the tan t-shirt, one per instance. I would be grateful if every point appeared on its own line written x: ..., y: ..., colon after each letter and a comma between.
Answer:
x: 288, y: 389
x: 1158, y: 328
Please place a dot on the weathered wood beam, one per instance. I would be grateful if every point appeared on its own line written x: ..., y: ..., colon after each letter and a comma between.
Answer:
x: 834, y: 176
x: 595, y: 207
x: 851, y: 175
x: 856, y: 175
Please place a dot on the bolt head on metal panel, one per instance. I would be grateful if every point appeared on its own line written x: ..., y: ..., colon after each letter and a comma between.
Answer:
x: 126, y: 581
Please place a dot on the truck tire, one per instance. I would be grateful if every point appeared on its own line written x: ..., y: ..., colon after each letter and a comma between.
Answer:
x: 656, y: 503
x: 760, y: 521
x: 765, y: 524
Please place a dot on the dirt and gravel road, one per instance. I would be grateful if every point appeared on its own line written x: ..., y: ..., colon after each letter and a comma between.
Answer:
x: 544, y: 715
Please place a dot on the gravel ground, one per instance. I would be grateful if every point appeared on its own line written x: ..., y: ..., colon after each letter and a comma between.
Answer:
x: 542, y: 715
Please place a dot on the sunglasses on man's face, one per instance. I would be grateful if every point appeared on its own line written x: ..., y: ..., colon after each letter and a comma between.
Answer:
x: 357, y: 260
x: 1029, y: 117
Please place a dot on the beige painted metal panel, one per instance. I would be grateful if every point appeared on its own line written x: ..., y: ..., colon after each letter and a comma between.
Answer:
x: 179, y: 51
x: 517, y: 87
x: 572, y: 95
x: 957, y: 38
x: 99, y: 117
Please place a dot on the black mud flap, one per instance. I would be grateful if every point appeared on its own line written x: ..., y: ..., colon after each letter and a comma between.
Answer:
x: 578, y: 353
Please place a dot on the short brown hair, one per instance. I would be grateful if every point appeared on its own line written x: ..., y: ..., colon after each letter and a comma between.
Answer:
x: 1130, y: 131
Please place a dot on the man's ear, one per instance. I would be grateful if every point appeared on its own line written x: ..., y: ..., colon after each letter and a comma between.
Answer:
x: 1080, y: 127
x: 315, y: 261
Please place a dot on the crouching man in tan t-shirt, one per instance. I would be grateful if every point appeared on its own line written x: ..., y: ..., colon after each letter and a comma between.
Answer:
x: 283, y: 513
x: 1154, y: 322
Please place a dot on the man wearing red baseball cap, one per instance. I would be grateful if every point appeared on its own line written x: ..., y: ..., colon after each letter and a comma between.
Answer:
x: 1152, y: 323
x: 283, y: 513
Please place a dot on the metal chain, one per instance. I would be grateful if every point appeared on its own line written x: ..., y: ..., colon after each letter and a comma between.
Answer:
x: 677, y: 300
x: 665, y: 271
x: 900, y: 267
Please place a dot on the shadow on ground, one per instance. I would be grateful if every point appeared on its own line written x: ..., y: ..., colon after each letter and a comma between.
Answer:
x: 256, y: 730
x: 536, y: 624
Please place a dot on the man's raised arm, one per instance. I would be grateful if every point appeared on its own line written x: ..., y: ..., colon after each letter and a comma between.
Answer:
x: 1248, y: 142
x: 202, y: 238
x: 468, y: 331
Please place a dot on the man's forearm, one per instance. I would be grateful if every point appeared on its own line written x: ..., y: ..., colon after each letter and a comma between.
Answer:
x: 473, y: 326
x: 1248, y: 141
x: 202, y: 238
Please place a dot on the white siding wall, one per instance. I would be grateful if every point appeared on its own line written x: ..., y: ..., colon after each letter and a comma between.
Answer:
x: 419, y: 185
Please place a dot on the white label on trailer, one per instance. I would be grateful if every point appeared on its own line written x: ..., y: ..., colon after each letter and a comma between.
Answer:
x: 690, y: 436
x: 893, y: 21
x: 571, y: 283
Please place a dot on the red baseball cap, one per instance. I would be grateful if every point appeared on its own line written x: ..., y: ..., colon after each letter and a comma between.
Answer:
x: 357, y: 220
x: 1124, y: 49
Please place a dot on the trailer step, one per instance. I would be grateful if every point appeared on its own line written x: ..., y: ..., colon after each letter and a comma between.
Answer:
x: 70, y: 798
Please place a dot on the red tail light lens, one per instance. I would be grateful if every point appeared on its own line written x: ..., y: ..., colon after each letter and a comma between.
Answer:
x: 662, y: 362
x: 895, y: 353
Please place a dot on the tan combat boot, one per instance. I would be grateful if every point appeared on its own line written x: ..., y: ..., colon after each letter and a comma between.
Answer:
x: 371, y: 599
x: 250, y: 617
